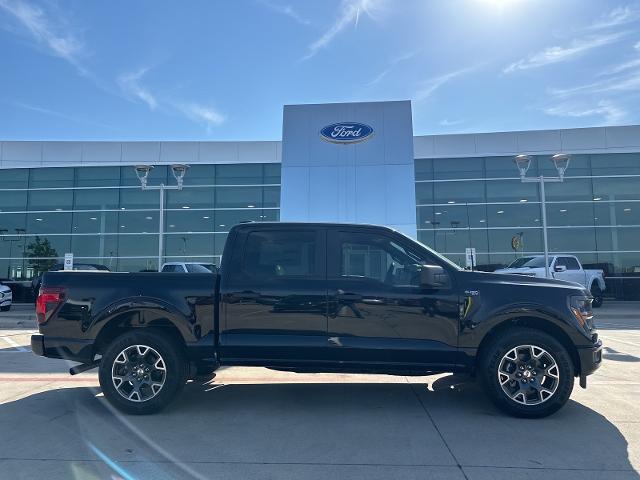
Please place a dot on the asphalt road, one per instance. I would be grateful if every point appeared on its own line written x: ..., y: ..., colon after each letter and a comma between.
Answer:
x: 253, y: 423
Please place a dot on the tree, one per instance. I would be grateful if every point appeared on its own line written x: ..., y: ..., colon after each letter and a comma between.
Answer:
x: 42, y: 255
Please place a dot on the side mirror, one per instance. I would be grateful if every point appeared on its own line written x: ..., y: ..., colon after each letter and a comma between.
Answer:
x: 433, y: 276
x: 560, y: 268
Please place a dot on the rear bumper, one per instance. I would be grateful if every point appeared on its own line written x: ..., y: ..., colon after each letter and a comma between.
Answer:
x: 37, y: 345
x: 65, y: 348
x: 590, y: 361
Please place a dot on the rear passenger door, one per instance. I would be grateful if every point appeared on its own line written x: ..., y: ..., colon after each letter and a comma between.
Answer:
x: 274, y: 299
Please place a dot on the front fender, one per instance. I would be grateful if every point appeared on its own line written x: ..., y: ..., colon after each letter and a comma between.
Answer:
x: 475, y: 328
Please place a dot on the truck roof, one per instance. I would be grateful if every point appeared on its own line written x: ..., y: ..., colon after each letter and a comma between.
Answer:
x: 310, y: 224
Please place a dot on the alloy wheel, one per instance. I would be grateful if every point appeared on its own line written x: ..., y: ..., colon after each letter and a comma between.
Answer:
x: 528, y: 375
x: 138, y: 373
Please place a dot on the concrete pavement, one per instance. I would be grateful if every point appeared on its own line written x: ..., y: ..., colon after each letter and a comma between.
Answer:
x: 255, y: 423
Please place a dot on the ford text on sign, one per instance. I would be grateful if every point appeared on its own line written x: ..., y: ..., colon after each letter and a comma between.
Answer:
x: 346, y: 132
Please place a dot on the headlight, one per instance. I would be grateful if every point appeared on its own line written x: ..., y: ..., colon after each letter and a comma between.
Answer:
x: 581, y: 309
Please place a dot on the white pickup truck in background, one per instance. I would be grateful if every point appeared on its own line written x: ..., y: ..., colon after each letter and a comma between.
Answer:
x: 561, y: 267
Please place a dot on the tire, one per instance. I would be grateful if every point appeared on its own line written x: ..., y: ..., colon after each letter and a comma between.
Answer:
x: 145, y: 362
x: 597, y: 296
x: 517, y: 389
x: 5, y: 309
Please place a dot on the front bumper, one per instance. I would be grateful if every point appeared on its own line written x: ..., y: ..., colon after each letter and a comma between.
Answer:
x: 590, y: 361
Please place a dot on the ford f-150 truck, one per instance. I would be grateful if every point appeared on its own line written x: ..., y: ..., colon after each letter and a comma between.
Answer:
x: 561, y: 267
x: 322, y: 298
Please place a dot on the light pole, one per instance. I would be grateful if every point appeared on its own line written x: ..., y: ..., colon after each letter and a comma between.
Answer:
x: 142, y: 172
x: 561, y: 162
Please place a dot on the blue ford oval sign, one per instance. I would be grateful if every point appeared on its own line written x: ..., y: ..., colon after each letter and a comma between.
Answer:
x: 346, y: 132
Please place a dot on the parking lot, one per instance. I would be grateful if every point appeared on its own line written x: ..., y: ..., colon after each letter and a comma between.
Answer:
x: 255, y: 423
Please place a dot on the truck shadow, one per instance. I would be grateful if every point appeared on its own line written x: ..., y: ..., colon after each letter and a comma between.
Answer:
x: 239, y: 426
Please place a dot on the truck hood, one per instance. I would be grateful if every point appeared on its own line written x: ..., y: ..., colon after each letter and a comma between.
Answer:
x: 519, y: 279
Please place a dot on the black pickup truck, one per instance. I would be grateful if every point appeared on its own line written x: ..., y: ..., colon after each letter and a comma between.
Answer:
x: 321, y: 298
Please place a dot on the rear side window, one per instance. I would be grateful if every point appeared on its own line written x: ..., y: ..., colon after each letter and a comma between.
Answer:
x: 172, y: 268
x: 270, y: 254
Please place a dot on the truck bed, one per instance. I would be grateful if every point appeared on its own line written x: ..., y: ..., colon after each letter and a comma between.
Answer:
x: 92, y: 300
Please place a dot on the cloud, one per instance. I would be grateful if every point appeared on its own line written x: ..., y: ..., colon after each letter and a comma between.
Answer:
x: 428, y: 87
x: 130, y: 85
x: 618, y: 16
x: 560, y: 54
x: 349, y: 13
x: 202, y: 114
x: 286, y: 10
x: 402, y: 58
x: 637, y: 46
x: 48, y: 32
x: 610, y: 113
x: 621, y: 83
x: 621, y: 67
x: 64, y: 116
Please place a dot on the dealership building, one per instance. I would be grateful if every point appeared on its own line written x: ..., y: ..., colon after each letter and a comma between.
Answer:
x: 351, y: 162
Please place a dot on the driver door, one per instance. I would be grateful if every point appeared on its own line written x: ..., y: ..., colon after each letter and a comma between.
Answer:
x: 378, y: 312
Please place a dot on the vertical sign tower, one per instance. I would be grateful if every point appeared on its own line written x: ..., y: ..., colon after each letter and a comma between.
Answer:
x: 349, y: 162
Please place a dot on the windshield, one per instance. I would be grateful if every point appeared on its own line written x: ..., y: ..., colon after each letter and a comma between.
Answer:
x: 536, y: 262
x: 520, y: 262
x: 433, y: 252
x: 197, y: 268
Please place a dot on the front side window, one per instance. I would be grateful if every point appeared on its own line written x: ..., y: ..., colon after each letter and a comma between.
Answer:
x: 270, y: 254
x: 379, y: 259
x: 571, y: 263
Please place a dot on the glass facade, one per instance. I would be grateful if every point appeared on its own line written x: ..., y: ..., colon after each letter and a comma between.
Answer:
x: 102, y: 216
x: 481, y: 203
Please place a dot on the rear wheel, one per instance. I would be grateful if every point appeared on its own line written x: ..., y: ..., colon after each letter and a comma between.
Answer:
x: 527, y: 373
x: 596, y: 293
x: 142, y: 371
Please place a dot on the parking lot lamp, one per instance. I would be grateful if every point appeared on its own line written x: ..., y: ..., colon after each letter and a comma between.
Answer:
x: 142, y: 172
x: 561, y: 163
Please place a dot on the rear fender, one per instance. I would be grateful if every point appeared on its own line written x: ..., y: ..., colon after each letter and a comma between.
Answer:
x: 138, y: 312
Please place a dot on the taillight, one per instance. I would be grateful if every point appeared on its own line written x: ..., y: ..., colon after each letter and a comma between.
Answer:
x: 49, y: 298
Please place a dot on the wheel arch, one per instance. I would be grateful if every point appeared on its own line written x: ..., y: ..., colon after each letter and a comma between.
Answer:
x: 140, y: 314
x: 536, y: 323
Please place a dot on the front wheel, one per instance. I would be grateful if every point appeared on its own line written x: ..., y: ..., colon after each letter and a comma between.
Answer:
x: 142, y: 371
x: 527, y: 373
x: 596, y: 293
x: 6, y: 308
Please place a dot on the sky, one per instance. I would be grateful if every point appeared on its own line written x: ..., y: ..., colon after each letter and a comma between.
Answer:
x: 222, y: 70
